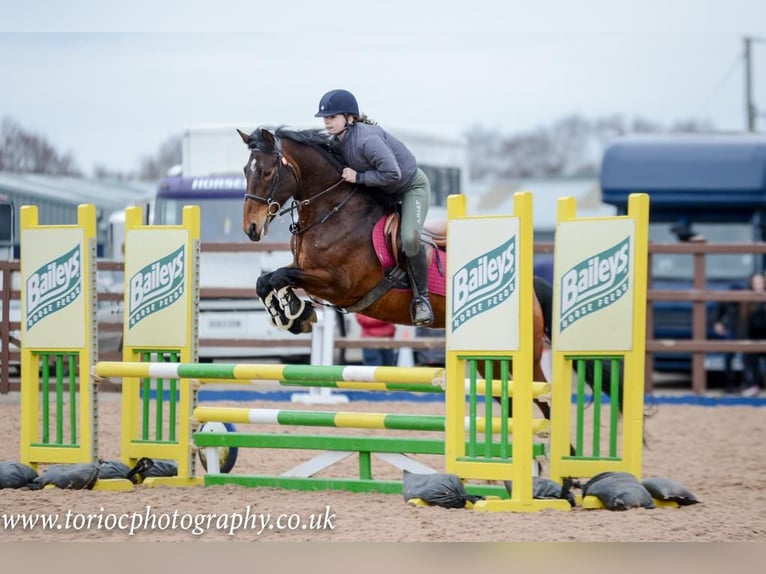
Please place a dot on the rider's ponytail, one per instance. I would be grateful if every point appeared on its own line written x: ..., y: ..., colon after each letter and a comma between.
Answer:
x: 365, y: 119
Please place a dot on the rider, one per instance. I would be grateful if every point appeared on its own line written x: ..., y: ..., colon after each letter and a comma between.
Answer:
x: 384, y: 165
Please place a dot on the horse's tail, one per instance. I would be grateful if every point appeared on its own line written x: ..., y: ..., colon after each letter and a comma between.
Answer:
x: 544, y: 293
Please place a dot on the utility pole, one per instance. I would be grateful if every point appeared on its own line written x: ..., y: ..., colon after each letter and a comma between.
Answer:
x: 749, y: 109
x: 751, y: 113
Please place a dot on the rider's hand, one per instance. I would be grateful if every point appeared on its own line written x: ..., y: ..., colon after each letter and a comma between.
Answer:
x: 348, y: 174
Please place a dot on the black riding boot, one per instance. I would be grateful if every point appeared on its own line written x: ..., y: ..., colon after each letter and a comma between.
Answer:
x: 420, y: 309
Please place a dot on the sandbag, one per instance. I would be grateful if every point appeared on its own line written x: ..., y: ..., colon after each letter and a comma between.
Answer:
x: 618, y: 491
x: 669, y: 489
x: 113, y: 469
x: 117, y: 469
x: 69, y: 476
x: 545, y: 488
x: 16, y: 474
x: 161, y: 468
x: 446, y: 490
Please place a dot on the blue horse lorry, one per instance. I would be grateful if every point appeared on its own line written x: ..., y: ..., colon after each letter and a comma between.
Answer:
x: 710, y: 187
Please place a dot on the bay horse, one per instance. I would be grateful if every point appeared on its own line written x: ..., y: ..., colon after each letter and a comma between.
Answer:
x: 333, y: 225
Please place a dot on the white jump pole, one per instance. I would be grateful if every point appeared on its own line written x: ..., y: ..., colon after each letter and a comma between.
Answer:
x: 405, y: 357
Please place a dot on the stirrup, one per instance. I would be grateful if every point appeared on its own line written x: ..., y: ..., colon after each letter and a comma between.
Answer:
x: 420, y: 312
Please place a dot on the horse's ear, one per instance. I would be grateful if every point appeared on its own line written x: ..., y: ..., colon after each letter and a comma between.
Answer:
x: 268, y: 137
x: 245, y: 137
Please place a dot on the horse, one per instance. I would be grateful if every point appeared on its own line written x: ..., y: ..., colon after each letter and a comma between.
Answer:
x: 334, y: 257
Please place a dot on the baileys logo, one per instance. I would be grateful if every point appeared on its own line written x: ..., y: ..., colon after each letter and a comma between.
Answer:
x: 53, y: 286
x: 156, y: 286
x: 595, y: 284
x: 484, y: 282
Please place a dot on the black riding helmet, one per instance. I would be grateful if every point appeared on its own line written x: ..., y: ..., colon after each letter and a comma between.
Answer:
x: 337, y: 102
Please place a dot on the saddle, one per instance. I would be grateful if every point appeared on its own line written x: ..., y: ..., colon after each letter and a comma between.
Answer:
x: 434, y: 234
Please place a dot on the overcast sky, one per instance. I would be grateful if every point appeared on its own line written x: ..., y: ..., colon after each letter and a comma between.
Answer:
x: 109, y: 81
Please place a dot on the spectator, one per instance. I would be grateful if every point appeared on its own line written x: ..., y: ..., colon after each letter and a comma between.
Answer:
x: 375, y: 356
x: 727, y: 326
x: 429, y: 357
x: 748, y: 321
x: 754, y: 315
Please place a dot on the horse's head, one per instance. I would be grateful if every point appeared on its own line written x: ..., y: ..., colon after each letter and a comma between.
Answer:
x: 268, y: 186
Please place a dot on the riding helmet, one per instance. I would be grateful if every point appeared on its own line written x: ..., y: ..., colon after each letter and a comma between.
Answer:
x: 337, y: 102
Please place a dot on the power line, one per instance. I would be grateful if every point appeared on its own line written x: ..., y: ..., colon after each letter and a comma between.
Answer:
x: 721, y: 84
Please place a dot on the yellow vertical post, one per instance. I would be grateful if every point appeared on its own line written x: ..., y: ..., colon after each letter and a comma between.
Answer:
x: 130, y: 385
x: 454, y: 400
x: 30, y: 376
x: 561, y: 389
x: 635, y: 361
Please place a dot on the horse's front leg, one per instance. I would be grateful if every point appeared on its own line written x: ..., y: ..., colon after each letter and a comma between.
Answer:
x: 287, y: 310
x: 268, y: 297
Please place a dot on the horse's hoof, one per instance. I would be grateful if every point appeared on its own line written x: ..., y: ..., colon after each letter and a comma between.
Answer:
x: 283, y: 323
x: 306, y: 327
x: 298, y: 327
x: 304, y: 323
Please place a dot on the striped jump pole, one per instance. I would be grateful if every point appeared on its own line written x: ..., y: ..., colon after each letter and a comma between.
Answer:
x: 271, y: 372
x: 358, y: 420
x: 538, y: 389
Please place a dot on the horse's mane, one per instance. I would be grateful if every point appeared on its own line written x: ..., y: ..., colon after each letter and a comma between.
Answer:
x: 317, y: 139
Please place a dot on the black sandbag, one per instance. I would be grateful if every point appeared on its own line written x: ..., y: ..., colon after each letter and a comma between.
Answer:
x: 112, y: 469
x: 618, y: 491
x: 16, y: 474
x: 117, y: 469
x: 446, y: 490
x: 161, y: 468
x: 79, y: 476
x: 669, y: 489
x: 547, y: 489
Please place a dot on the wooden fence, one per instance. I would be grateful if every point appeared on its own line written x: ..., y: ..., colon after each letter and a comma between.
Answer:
x: 698, y: 296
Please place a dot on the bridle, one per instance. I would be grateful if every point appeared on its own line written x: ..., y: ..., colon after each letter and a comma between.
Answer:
x: 274, y: 208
